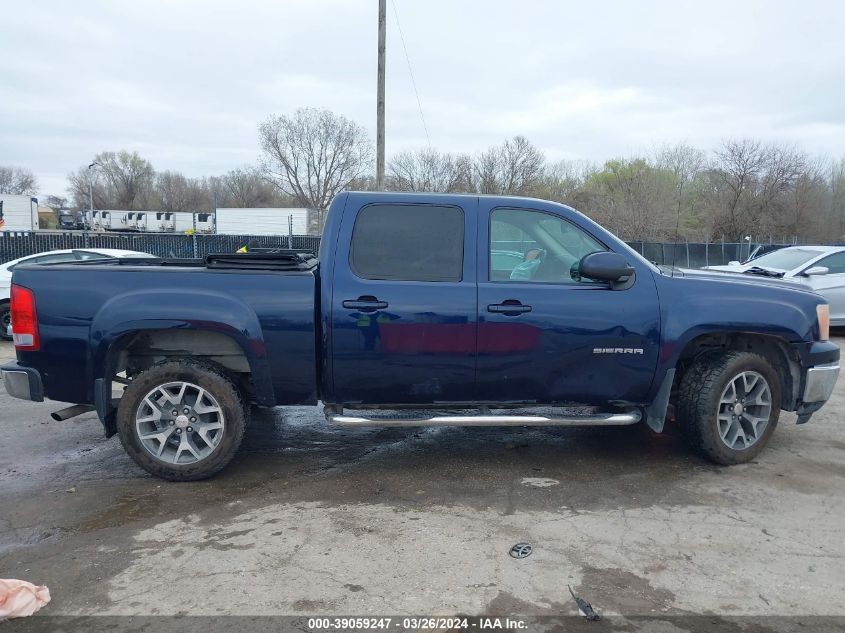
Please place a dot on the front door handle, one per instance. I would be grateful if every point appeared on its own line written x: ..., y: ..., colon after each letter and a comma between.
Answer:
x: 510, y: 307
x: 365, y: 303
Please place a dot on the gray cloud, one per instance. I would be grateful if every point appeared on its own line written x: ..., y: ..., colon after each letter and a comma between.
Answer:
x: 187, y: 83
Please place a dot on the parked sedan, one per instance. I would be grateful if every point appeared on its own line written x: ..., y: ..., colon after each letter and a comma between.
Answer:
x: 821, y: 268
x: 50, y: 257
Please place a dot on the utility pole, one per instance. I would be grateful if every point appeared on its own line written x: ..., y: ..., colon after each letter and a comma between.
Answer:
x: 382, y: 26
x: 91, y: 193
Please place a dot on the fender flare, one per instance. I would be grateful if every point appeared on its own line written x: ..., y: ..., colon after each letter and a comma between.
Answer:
x: 143, y: 310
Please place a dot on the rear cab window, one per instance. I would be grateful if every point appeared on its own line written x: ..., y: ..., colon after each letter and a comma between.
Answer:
x: 408, y: 242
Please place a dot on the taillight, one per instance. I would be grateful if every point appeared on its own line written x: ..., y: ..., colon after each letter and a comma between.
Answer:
x: 24, y: 319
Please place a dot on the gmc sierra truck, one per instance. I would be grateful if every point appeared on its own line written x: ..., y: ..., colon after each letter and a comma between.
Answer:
x: 475, y: 310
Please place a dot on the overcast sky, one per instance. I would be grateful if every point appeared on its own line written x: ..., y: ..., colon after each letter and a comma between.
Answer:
x: 185, y: 83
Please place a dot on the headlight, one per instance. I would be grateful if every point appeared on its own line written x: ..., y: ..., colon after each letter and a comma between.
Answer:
x: 823, y: 316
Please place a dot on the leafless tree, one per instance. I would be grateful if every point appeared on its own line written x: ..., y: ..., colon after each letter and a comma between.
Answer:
x: 174, y: 192
x: 685, y: 163
x: 736, y: 175
x: 247, y: 187
x: 513, y: 168
x: 428, y: 170
x: 56, y: 202
x: 122, y: 180
x: 313, y: 154
x: 836, y: 195
x: 562, y: 181
x: 17, y: 181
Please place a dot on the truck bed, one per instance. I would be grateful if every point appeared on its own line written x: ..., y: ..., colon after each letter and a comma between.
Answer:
x: 264, y: 302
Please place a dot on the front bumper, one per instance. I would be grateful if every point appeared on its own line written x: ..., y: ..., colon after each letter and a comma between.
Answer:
x: 821, y: 362
x: 22, y: 382
x: 820, y: 382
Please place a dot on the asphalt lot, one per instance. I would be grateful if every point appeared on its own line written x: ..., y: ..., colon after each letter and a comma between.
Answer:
x: 314, y: 520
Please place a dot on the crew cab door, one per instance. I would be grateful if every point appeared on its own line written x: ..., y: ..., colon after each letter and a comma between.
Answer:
x: 544, y: 336
x: 403, y: 313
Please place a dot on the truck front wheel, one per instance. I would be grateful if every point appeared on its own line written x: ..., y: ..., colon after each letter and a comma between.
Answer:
x: 181, y: 420
x: 728, y: 405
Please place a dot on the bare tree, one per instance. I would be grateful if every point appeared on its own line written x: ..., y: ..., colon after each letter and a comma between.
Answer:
x: 121, y: 180
x: 513, y: 168
x: 17, y: 181
x: 685, y: 163
x: 736, y: 174
x: 802, y: 207
x: 56, y: 202
x: 836, y: 189
x: 313, y: 154
x: 428, y: 170
x: 175, y: 193
x: 78, y: 187
x: 247, y: 187
x: 563, y: 180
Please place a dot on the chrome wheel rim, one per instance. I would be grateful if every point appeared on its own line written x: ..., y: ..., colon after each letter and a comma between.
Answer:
x: 179, y: 423
x: 744, y: 409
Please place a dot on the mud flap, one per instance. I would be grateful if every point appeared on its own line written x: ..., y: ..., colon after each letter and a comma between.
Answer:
x: 106, y: 410
x: 655, y: 413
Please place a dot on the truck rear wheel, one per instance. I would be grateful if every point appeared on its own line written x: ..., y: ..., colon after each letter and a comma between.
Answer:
x: 728, y: 405
x: 181, y: 420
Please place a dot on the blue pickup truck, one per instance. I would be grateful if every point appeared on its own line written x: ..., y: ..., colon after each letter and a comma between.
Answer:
x: 421, y: 309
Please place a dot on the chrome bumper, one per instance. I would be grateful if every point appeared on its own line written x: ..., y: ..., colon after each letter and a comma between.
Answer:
x: 820, y: 382
x: 22, y: 382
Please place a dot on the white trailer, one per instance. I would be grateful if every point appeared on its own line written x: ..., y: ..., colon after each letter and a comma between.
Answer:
x: 183, y: 222
x: 263, y: 221
x: 169, y: 222
x: 20, y: 213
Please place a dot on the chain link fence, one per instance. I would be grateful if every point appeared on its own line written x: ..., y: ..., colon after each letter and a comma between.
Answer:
x: 19, y: 244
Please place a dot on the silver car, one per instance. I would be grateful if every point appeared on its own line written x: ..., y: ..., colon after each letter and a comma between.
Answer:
x: 820, y: 268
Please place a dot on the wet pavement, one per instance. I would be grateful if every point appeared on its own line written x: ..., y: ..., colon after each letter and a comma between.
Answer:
x: 310, y: 519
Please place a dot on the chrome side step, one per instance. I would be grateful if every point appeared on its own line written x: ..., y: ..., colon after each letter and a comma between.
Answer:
x: 598, y: 419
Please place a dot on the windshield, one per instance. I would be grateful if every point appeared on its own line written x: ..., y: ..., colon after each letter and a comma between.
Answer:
x: 785, y: 259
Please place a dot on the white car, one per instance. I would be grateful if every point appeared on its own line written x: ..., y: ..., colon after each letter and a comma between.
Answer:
x: 54, y: 257
x: 820, y: 268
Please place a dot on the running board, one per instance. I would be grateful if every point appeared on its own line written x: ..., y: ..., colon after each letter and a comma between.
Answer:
x: 598, y: 419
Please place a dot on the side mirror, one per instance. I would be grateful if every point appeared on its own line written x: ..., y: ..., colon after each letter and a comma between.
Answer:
x: 817, y: 270
x: 605, y: 266
x: 733, y: 262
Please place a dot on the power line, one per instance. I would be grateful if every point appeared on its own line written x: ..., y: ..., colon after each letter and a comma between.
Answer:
x: 410, y: 70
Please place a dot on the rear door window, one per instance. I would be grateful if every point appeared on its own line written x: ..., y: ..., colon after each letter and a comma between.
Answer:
x: 408, y: 242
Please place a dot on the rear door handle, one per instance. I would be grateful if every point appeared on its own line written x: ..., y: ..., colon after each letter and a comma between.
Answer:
x: 511, y: 307
x: 365, y: 304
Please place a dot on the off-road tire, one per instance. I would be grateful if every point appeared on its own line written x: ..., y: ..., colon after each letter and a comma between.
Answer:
x: 206, y: 375
x: 699, y: 393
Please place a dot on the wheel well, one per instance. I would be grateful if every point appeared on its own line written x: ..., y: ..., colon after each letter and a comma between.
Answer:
x: 135, y: 352
x: 782, y: 357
